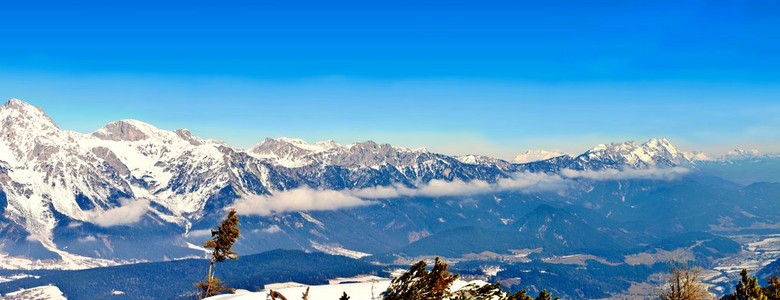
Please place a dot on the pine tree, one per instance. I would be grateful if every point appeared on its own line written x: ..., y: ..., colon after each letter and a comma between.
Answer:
x: 421, y: 284
x: 544, y: 295
x: 748, y: 288
x: 474, y: 292
x: 221, y: 242
x: 520, y: 295
x: 772, y: 289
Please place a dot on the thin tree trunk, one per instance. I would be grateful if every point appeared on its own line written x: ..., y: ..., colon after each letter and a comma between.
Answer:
x: 208, y: 277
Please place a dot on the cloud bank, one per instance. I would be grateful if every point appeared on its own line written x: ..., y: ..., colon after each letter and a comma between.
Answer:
x: 199, y: 233
x: 129, y: 212
x: 523, y: 182
x: 665, y: 174
x: 307, y: 199
x: 302, y: 199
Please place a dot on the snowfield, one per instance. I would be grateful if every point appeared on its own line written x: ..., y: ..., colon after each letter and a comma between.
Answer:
x: 368, y: 288
x: 48, y: 292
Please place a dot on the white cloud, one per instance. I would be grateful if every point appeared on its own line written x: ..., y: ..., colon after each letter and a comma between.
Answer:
x: 272, y: 229
x: 268, y: 230
x: 610, y: 174
x: 89, y: 238
x: 130, y: 212
x: 441, y: 188
x: 382, y: 192
x: 74, y: 224
x: 523, y: 182
x: 302, y: 199
x: 533, y: 182
x: 199, y: 233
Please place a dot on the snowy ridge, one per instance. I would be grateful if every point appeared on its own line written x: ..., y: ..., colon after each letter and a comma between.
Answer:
x: 47, y: 170
x: 730, y: 156
x: 67, y: 261
x: 291, y: 153
x: 536, y: 155
x: 698, y: 156
x: 338, y: 250
x: 47, y: 174
x: 749, y: 154
x: 742, y: 153
x: 46, y: 165
x: 653, y: 153
x: 296, y: 153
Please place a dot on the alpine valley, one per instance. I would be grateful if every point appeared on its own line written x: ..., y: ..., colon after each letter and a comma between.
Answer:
x: 599, y: 224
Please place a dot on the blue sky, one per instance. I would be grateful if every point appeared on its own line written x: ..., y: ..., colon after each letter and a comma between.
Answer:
x: 492, y: 78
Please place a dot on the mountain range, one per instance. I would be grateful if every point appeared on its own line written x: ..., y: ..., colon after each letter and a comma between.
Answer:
x: 90, y: 199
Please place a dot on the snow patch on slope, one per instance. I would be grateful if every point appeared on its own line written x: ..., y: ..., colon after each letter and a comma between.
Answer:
x: 338, y: 250
x: 47, y: 292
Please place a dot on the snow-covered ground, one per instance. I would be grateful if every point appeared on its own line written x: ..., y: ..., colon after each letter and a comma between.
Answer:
x: 360, y: 288
x: 335, y: 249
x: 16, y: 277
x: 68, y: 261
x: 757, y: 252
x: 47, y: 292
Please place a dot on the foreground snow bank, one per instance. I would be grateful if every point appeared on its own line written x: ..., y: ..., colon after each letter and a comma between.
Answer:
x: 48, y: 292
x: 356, y: 290
x: 366, y: 290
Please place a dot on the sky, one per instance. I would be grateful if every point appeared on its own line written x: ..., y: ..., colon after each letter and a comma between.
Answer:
x: 458, y: 77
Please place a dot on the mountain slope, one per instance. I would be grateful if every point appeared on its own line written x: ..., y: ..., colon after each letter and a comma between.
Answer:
x: 50, y: 177
x: 555, y: 230
x: 93, y: 193
x: 655, y: 153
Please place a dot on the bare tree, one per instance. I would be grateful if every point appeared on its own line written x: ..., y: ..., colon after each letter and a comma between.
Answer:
x: 684, y: 283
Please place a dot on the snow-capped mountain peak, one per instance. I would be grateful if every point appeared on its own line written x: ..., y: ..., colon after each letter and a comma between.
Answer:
x: 698, y: 156
x: 291, y: 152
x: 742, y: 154
x: 19, y: 114
x: 661, y: 146
x: 733, y: 155
x: 653, y: 153
x: 536, y: 155
x: 483, y: 160
x: 17, y: 104
x: 271, y: 146
x: 131, y: 130
x: 296, y: 153
x: 124, y: 130
x: 48, y: 175
x: 320, y: 146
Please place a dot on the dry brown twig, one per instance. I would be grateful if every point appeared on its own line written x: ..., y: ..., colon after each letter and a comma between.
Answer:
x: 276, y: 295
